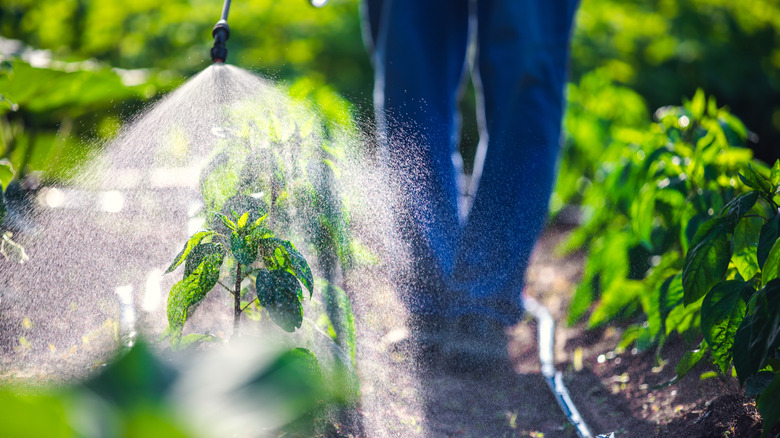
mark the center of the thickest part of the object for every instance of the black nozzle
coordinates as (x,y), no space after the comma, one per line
(221,33)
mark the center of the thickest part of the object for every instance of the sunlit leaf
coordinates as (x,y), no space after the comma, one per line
(775,175)
(739,206)
(745,244)
(244,247)
(689,360)
(6,175)
(771,268)
(191,243)
(198,253)
(193,288)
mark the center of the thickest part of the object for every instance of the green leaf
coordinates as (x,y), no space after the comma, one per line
(339,311)
(241,222)
(614,300)
(754,180)
(196,256)
(193,288)
(667,295)
(238,205)
(300,266)
(229,224)
(281,253)
(770,231)
(721,314)
(768,405)
(745,246)
(280,294)
(689,360)
(758,336)
(739,206)
(762,182)
(642,214)
(6,175)
(771,268)
(244,248)
(698,104)
(707,261)
(775,174)
(193,241)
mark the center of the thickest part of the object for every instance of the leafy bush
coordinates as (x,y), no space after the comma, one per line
(681,224)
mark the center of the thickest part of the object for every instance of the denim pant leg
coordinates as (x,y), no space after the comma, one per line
(522,61)
(419,57)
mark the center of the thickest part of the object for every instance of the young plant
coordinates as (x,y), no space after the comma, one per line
(242,243)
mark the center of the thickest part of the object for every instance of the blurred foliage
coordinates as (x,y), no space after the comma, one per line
(139,394)
(666,49)
(663,49)
(283,39)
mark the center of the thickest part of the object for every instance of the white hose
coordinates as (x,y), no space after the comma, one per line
(554,378)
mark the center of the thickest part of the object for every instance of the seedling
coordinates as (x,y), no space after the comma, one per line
(241,243)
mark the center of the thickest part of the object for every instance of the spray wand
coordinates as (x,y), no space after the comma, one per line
(221,33)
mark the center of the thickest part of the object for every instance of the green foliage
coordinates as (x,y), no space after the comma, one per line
(280,294)
(141,395)
(681,224)
(664,49)
(198,281)
(49,106)
(6,175)
(278,290)
(341,318)
(707,260)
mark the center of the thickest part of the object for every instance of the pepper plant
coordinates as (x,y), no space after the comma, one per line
(249,249)
(681,228)
(733,272)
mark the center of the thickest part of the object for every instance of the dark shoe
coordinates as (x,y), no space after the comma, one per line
(474,343)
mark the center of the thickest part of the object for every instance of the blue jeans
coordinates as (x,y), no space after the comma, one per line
(419,50)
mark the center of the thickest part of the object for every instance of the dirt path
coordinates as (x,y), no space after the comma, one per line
(614,392)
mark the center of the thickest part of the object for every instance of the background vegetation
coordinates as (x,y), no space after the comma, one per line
(667,196)
(663,49)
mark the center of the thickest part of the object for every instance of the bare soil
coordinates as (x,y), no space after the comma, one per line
(619,392)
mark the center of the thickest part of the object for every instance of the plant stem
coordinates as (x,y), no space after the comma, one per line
(237,301)
(248,304)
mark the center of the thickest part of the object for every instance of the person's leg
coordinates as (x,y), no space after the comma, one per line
(522,59)
(419,56)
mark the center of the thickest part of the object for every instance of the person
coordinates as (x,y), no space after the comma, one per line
(469,269)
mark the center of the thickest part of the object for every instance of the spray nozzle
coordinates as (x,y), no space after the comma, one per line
(221,33)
